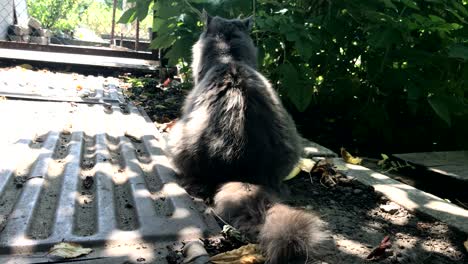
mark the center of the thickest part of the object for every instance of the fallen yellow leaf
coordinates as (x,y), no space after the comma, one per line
(79,87)
(26,66)
(383,160)
(248,254)
(304,165)
(293,173)
(348,158)
(68,250)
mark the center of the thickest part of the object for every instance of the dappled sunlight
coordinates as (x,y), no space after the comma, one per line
(118,189)
(80,59)
(180,213)
(410,197)
(173,189)
(134,246)
(379,176)
(142,193)
(311,149)
(35,182)
(444,172)
(119,235)
(352,247)
(119,178)
(356,167)
(81,199)
(445,207)
(190,232)
(396,194)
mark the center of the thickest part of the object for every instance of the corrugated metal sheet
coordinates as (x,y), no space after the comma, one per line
(21,83)
(87,173)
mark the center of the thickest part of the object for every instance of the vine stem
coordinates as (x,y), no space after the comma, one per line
(193,8)
(254,13)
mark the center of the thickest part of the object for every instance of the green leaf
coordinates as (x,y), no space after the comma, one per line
(436,19)
(304,48)
(458,51)
(292,36)
(414,92)
(260,55)
(128,16)
(162,42)
(410,4)
(180,49)
(460,8)
(167,9)
(389,4)
(142,7)
(157,24)
(454,13)
(299,93)
(440,107)
(384,38)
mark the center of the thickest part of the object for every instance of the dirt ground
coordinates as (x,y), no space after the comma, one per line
(357,217)
(359,220)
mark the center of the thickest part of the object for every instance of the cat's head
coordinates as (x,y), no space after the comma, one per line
(226,29)
(223,40)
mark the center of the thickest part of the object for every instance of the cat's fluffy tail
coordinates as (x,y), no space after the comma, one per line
(285,234)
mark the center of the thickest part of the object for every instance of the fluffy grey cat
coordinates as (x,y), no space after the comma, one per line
(235,134)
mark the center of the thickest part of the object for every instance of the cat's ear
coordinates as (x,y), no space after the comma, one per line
(206,18)
(248,23)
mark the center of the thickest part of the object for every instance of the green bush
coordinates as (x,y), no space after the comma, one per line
(367,48)
(96,15)
(375,60)
(61,15)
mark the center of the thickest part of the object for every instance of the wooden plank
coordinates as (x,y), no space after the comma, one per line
(312,149)
(79,59)
(87,50)
(407,196)
(449,163)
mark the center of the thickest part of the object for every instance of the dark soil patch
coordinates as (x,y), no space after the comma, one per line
(174,256)
(88,182)
(161,100)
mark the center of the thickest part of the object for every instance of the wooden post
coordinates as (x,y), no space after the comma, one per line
(137,37)
(114,7)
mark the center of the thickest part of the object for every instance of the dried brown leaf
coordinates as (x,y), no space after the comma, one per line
(379,251)
(168,126)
